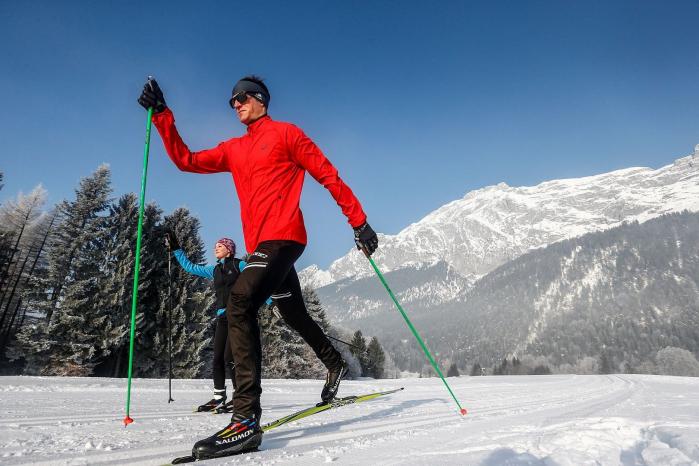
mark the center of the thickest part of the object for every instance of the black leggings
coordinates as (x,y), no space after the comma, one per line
(269,272)
(223,357)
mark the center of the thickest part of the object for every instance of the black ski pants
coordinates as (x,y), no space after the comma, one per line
(223,357)
(269,272)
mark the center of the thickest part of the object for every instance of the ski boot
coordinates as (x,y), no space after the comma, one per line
(226,408)
(332,381)
(218,400)
(243,434)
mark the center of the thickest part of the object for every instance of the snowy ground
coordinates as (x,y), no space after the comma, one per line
(519,420)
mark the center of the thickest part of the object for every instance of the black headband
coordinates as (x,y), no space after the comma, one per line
(253,89)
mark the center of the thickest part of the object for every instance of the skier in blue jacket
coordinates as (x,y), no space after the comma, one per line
(224,274)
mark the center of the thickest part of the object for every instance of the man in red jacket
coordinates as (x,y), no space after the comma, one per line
(268,165)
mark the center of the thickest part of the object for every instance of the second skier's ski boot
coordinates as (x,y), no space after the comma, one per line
(241,435)
(226,408)
(217,401)
(332,381)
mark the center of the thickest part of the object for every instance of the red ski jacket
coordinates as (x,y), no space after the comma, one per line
(268,166)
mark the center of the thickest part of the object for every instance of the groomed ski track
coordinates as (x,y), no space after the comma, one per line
(517,420)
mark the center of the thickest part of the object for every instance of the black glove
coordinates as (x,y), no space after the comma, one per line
(152,96)
(365,238)
(171,241)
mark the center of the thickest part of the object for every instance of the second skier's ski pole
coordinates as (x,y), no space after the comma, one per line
(134,297)
(415,332)
(276,312)
(169,322)
(342,341)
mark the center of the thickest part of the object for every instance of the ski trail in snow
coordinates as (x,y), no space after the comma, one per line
(538,420)
(37,421)
(605,392)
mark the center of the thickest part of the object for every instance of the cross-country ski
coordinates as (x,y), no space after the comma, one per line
(318,408)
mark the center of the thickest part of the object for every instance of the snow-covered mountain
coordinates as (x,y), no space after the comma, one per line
(423,286)
(628,291)
(493,225)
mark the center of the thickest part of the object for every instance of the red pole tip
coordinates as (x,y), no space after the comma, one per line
(463,411)
(127,421)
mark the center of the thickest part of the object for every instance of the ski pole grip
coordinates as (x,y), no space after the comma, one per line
(366,253)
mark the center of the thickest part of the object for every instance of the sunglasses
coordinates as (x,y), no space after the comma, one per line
(240,97)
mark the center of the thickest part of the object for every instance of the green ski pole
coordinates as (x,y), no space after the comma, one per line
(137,266)
(462,411)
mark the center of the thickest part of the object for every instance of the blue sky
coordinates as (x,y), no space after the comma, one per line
(416,103)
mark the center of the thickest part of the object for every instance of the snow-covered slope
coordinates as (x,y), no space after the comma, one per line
(628,292)
(493,225)
(516,420)
(423,286)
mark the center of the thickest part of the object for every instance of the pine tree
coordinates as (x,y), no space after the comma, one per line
(30,285)
(270,336)
(359,350)
(117,285)
(70,341)
(476,370)
(355,368)
(677,361)
(5,252)
(315,308)
(502,369)
(192,301)
(21,221)
(376,358)
(4,241)
(285,354)
(541,370)
(314,367)
(83,286)
(605,363)
(453,370)
(152,312)
(80,222)
(518,368)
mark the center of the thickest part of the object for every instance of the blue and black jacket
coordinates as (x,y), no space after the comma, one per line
(224,274)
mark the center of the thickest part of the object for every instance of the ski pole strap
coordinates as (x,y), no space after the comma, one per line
(342,341)
(415,333)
